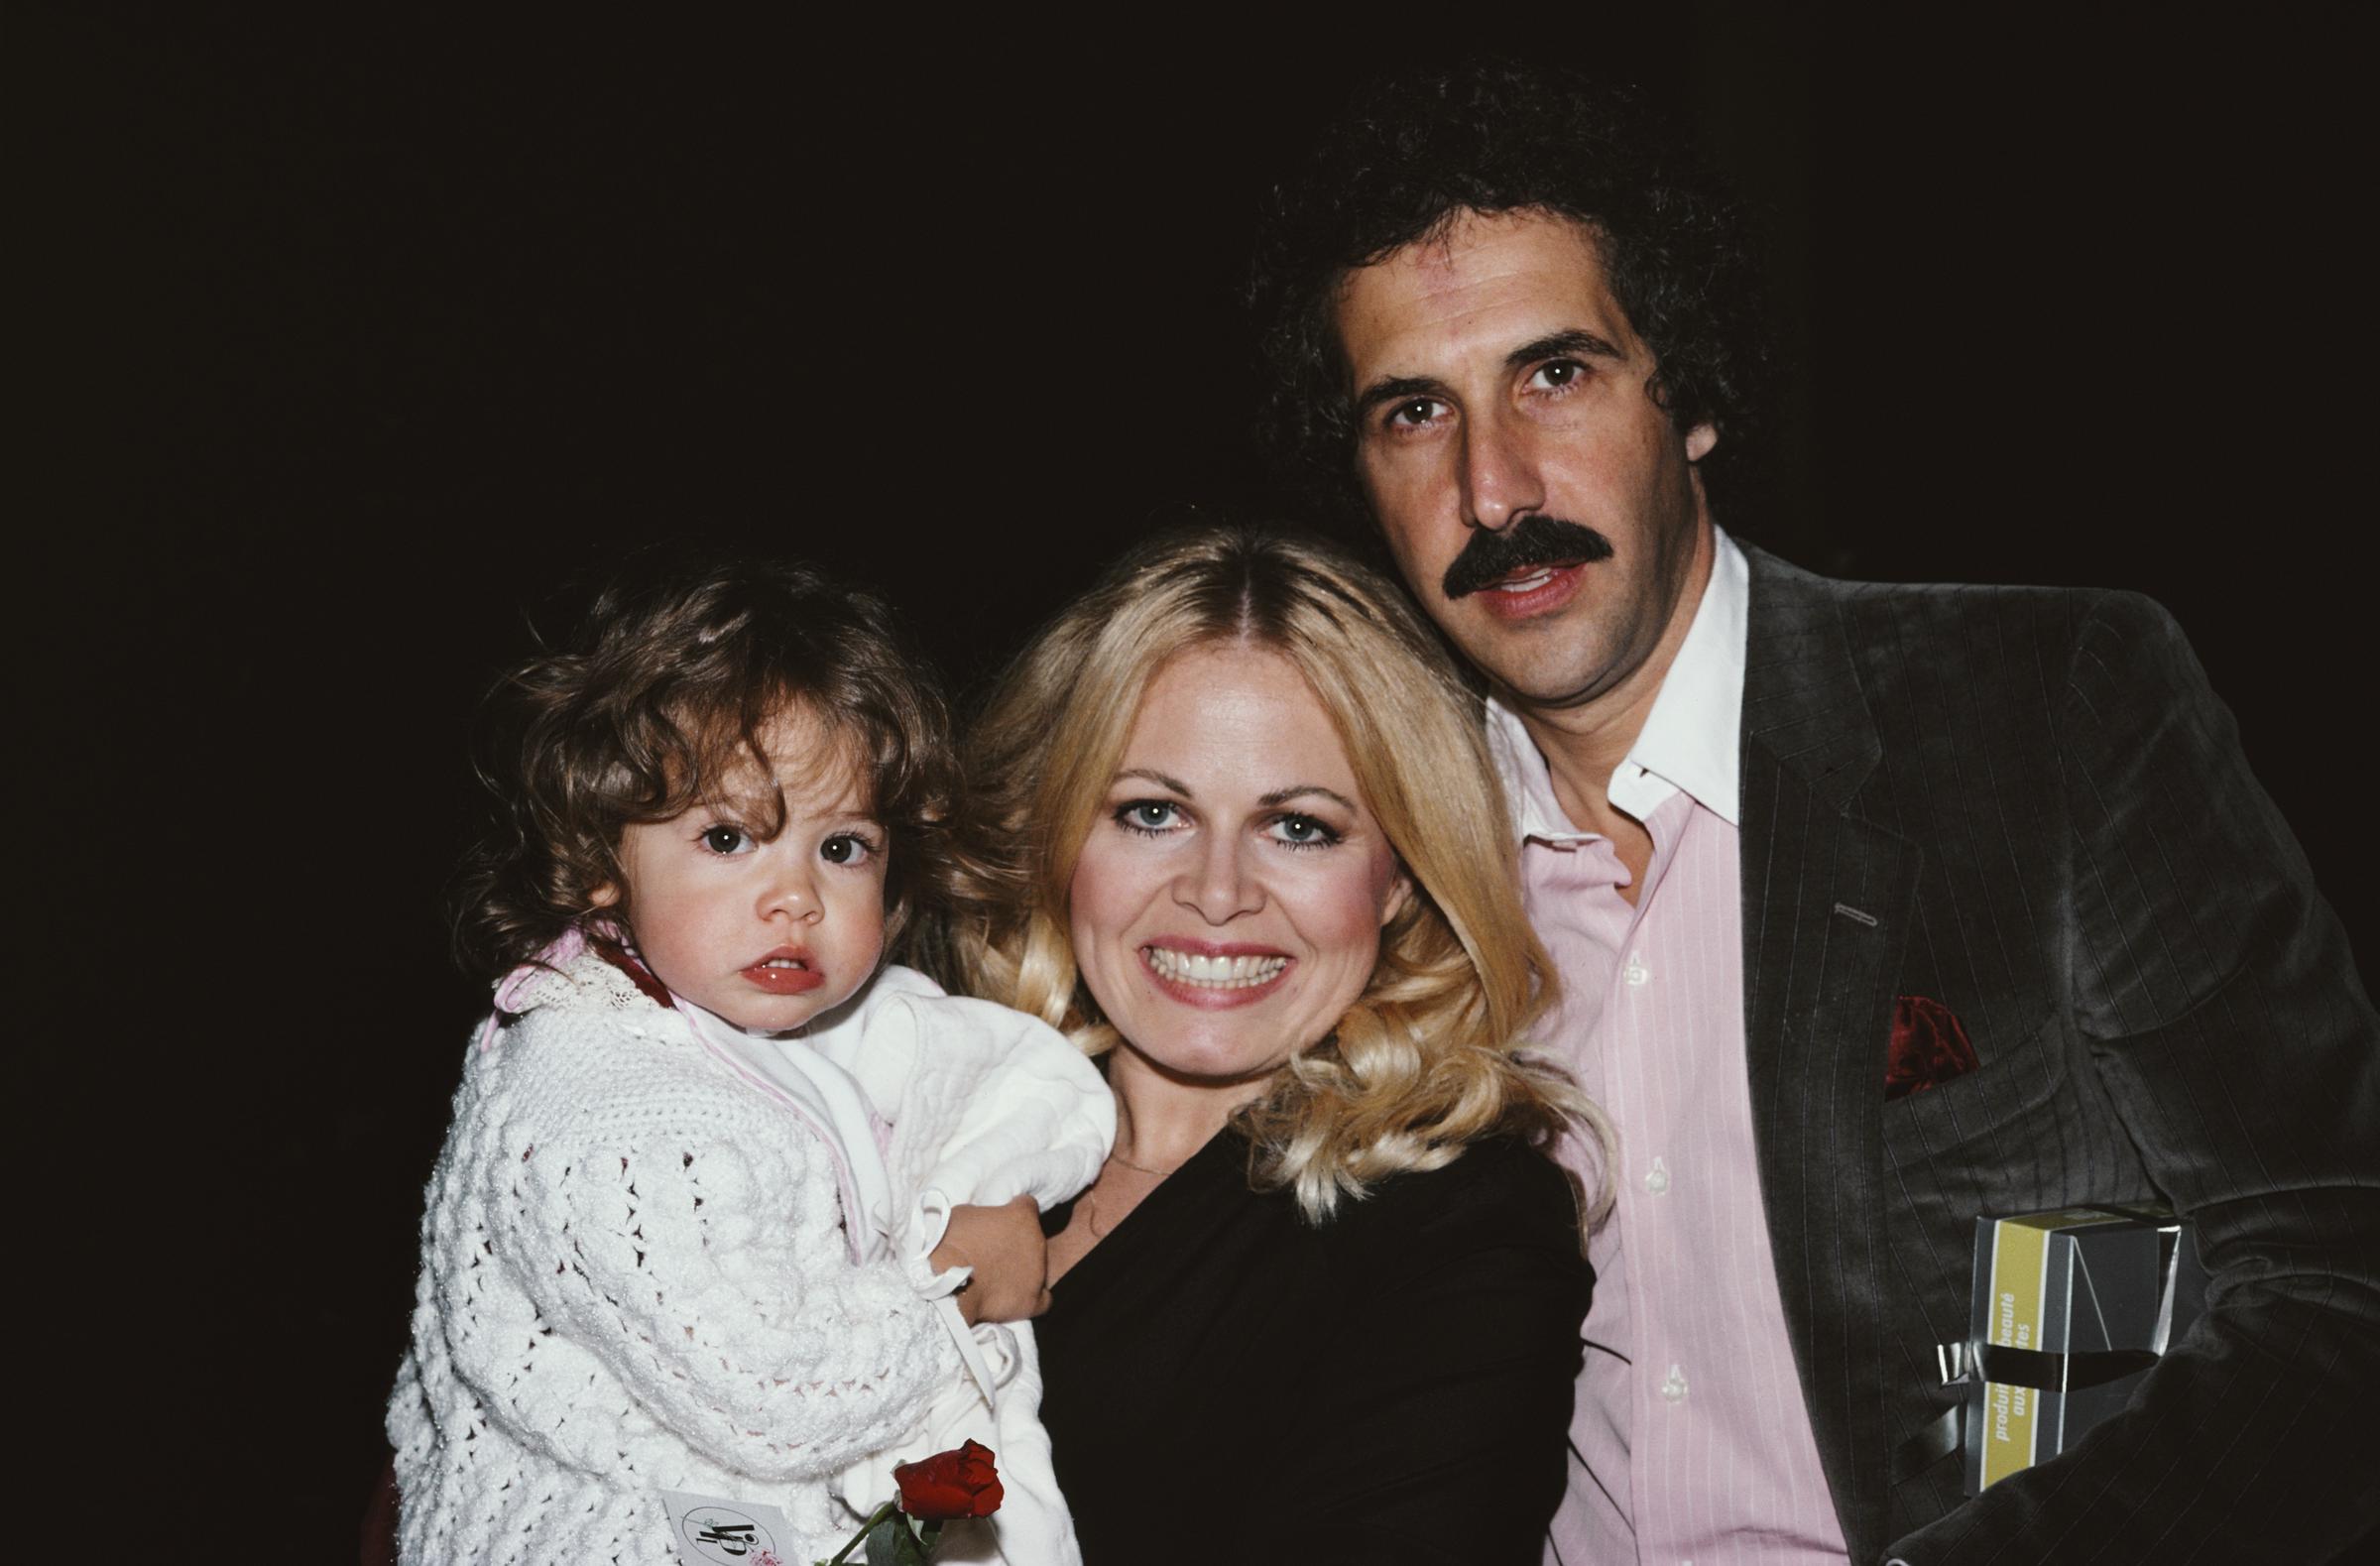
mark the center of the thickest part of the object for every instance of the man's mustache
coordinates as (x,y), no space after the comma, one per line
(1535,539)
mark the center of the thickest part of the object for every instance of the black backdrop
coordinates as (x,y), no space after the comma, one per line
(347,343)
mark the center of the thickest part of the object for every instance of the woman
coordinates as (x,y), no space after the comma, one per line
(1244,842)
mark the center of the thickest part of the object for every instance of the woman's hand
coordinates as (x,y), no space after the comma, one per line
(1011,1259)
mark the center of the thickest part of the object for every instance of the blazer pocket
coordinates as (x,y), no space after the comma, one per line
(2012,1081)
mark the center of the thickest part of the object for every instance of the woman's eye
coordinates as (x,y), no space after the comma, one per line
(1303,831)
(1148,815)
(846,848)
(726,840)
(1413,413)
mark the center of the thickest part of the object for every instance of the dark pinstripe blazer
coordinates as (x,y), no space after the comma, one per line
(2027,803)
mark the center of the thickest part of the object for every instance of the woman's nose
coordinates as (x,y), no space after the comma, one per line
(1219,887)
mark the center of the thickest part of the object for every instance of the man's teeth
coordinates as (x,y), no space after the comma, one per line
(1524,584)
(1222,973)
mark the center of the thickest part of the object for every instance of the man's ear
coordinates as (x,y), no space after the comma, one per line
(1699,442)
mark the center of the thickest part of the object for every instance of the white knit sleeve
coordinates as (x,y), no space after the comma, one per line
(687,1235)
(986,1103)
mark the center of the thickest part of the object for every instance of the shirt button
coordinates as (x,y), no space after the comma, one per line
(1636,972)
(1673,1386)
(1656,1180)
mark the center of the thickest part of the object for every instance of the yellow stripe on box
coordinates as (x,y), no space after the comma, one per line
(2020,1251)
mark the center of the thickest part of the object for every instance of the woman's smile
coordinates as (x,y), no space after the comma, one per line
(1226,907)
(1202,973)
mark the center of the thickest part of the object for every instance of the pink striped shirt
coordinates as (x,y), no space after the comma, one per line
(1689,1442)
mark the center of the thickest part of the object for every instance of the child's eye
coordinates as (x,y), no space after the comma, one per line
(846,848)
(727,839)
(1149,817)
(1302,831)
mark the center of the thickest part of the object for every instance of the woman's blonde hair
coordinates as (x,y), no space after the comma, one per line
(1431,1057)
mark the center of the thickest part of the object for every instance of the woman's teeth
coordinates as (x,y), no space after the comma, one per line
(785,962)
(1222,973)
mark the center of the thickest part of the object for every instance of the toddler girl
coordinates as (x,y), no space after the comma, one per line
(714,1172)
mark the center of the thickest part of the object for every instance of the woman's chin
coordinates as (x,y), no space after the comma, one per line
(1208,1064)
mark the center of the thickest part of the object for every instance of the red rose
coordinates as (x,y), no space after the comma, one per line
(960,1484)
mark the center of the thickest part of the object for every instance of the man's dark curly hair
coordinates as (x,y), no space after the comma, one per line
(1415,152)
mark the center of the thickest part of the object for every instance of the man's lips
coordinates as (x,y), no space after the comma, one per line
(785,971)
(1534,589)
(1492,556)
(1520,578)
(1215,973)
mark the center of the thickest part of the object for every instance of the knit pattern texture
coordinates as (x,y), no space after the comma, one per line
(633,1278)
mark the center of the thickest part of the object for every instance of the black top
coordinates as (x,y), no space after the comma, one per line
(1226,1383)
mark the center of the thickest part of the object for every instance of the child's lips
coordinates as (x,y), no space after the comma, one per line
(785,971)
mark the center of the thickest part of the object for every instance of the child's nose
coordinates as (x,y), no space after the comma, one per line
(794,895)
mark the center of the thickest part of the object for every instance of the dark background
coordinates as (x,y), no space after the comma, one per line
(350,344)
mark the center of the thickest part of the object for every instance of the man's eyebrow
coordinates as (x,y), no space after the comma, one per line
(1294,790)
(1577,343)
(1571,344)
(1158,777)
(1396,389)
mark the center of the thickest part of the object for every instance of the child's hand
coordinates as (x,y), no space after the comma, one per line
(1009,1256)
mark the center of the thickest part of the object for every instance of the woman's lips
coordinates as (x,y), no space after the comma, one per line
(1536,590)
(1216,976)
(784,973)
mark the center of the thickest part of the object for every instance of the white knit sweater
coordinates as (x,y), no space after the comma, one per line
(635,1279)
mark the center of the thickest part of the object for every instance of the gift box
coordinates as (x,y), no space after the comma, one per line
(2070,1310)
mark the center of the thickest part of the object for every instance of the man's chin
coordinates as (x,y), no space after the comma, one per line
(1528,670)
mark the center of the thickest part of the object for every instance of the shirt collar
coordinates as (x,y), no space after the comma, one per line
(1692,740)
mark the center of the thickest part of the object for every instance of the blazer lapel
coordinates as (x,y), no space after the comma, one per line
(1827,900)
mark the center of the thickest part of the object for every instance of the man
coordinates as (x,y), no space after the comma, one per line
(1775,831)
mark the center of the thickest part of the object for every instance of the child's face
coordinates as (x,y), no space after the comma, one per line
(767,934)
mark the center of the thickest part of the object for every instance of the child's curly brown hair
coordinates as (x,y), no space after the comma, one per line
(668,688)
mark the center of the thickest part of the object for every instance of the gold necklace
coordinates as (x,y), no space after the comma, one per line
(1090,1196)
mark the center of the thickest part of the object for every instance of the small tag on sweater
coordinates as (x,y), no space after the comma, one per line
(714,1532)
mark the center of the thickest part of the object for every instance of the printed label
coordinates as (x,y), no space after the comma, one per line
(2020,1252)
(713,1532)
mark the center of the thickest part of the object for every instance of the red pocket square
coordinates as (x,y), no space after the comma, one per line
(1929,1047)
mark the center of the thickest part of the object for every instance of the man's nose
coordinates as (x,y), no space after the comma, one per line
(1217,886)
(1498,478)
